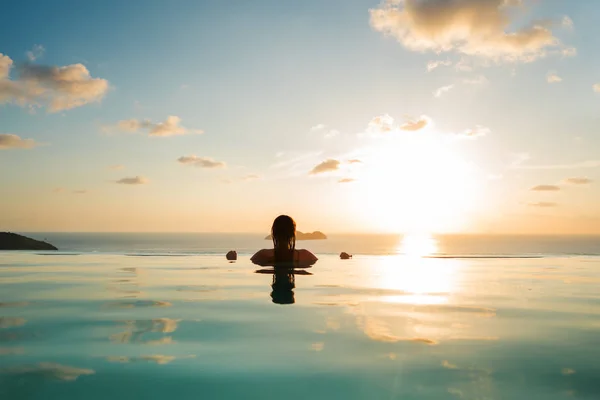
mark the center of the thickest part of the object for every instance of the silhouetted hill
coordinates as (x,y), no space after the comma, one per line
(12,241)
(316,235)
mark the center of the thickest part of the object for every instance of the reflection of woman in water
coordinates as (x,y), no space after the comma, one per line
(284,253)
(284,258)
(283,286)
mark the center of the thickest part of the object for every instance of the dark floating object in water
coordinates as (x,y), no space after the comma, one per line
(231,255)
(345,256)
(316,235)
(12,241)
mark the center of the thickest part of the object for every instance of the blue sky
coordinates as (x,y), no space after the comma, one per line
(255,77)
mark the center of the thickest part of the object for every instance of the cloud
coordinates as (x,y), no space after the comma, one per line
(36,52)
(251,177)
(201,162)
(471,27)
(116,167)
(596,87)
(476,132)
(545,188)
(567,22)
(479,80)
(331,133)
(56,88)
(439,92)
(431,65)
(326,166)
(354,161)
(543,204)
(346,180)
(136,180)
(578,181)
(10,141)
(579,165)
(553,77)
(416,125)
(381,124)
(170,127)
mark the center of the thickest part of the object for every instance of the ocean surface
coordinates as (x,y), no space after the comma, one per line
(152,316)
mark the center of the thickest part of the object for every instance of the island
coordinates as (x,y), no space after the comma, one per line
(316,235)
(12,241)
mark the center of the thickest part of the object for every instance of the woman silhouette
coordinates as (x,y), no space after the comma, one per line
(284,253)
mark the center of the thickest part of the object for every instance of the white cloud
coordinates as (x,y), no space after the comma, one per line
(553,77)
(567,22)
(416,125)
(10,141)
(478,80)
(170,127)
(346,180)
(326,166)
(201,162)
(431,65)
(579,165)
(472,27)
(116,167)
(56,88)
(569,52)
(36,52)
(328,133)
(136,180)
(439,92)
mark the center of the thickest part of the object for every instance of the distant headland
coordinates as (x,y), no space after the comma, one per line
(316,235)
(12,241)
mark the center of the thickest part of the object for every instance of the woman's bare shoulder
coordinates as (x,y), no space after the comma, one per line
(306,255)
(263,253)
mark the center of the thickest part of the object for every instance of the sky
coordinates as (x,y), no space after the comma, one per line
(436,116)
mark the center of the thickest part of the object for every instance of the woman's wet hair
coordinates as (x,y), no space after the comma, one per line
(283,233)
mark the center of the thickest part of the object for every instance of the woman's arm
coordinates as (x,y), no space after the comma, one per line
(263,258)
(306,259)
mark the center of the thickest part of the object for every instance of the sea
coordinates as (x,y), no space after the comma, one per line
(153,316)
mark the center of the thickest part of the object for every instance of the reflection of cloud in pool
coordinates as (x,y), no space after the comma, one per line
(7,351)
(161,341)
(14,304)
(49,371)
(378,330)
(135,329)
(567,371)
(317,346)
(9,322)
(141,303)
(447,364)
(155,358)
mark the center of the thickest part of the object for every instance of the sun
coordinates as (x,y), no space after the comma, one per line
(419,184)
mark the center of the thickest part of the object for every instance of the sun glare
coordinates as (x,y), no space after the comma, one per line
(419,184)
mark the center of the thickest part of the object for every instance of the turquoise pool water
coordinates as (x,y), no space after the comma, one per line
(102,326)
